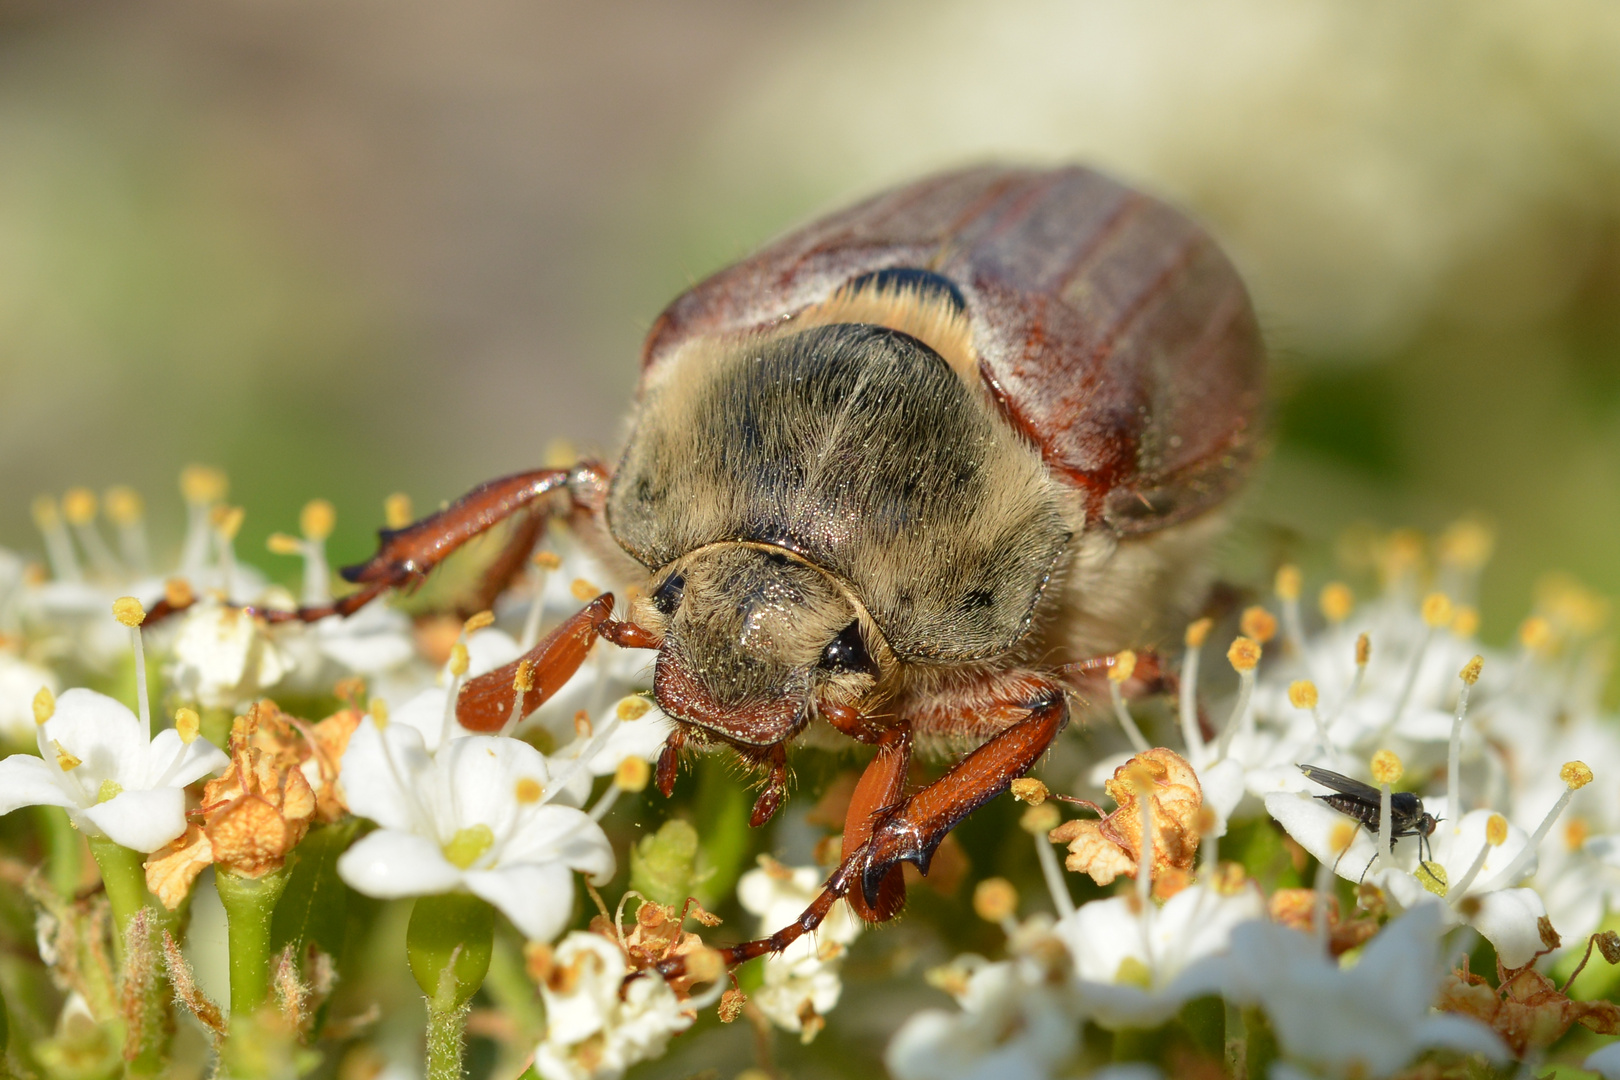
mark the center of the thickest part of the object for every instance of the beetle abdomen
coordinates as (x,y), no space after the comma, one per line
(860,449)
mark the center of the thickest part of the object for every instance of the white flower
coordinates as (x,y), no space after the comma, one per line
(224,657)
(1506,916)
(597,1026)
(1605,1062)
(97,763)
(474,816)
(1367,1020)
(1015,1021)
(802,980)
(1137,969)
(19,682)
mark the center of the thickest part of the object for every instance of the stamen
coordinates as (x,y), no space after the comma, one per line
(1496,834)
(1575,775)
(632,774)
(1436,613)
(1123,666)
(202,487)
(544,563)
(44,706)
(477,622)
(1464,549)
(1197,633)
(1386,770)
(187,724)
(79,507)
(1469,676)
(316,522)
(1141,780)
(227,522)
(65,760)
(1339,841)
(1302,694)
(128,611)
(397,510)
(583,590)
(1244,656)
(58,545)
(127,513)
(1039,820)
(996,901)
(1465,623)
(1336,602)
(522,683)
(459,662)
(1258,623)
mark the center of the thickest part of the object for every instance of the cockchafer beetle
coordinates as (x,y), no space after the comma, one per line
(891,475)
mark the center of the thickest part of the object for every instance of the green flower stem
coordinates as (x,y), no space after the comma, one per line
(124,876)
(64,851)
(449,943)
(249,904)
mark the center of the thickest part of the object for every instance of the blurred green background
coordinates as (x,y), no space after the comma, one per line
(347,248)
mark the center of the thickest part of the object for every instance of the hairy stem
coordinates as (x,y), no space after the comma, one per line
(445,1029)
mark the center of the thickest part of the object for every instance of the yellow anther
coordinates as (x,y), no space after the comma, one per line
(1437,610)
(203,484)
(547,560)
(1470,672)
(1030,790)
(397,510)
(478,622)
(177,593)
(187,724)
(1496,830)
(378,708)
(632,774)
(1341,837)
(1289,582)
(1198,632)
(1258,623)
(584,590)
(1336,601)
(1123,667)
(528,791)
(1206,821)
(1404,551)
(128,610)
(227,520)
(283,544)
(1387,767)
(1575,774)
(1465,623)
(1570,603)
(995,899)
(1040,820)
(124,505)
(459,660)
(317,519)
(45,513)
(1244,654)
(633,708)
(1302,694)
(79,506)
(64,760)
(110,789)
(44,705)
(582,724)
(1363,650)
(731,1007)
(1466,544)
(523,678)
(1535,633)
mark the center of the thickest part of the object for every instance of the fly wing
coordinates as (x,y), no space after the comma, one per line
(1344,785)
(1110,329)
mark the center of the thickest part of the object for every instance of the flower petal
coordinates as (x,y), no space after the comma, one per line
(103,734)
(375,775)
(560,834)
(482,773)
(142,820)
(1464,1034)
(26,780)
(389,864)
(173,763)
(537,897)
(1507,919)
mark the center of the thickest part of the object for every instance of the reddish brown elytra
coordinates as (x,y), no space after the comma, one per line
(890,475)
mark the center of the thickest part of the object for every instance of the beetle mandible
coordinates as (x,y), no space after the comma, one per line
(889,476)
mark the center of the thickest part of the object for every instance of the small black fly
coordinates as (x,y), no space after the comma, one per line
(1365,803)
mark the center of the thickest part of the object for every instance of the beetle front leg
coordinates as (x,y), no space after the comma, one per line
(913,830)
(487,702)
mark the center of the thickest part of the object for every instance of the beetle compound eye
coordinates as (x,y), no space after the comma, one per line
(847,653)
(667,597)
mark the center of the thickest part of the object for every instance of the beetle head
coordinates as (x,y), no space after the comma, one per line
(753,637)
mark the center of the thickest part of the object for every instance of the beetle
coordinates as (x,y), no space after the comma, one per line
(893,477)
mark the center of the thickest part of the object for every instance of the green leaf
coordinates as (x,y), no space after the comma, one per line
(314,907)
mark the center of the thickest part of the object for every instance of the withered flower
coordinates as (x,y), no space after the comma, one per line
(1529,1011)
(1109,847)
(1297,908)
(252,816)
